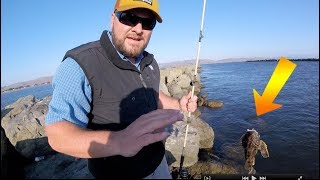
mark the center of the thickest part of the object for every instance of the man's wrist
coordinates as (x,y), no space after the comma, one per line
(114,143)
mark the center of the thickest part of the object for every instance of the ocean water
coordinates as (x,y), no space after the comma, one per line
(291,132)
(39,92)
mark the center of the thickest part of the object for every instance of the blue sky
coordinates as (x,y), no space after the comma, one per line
(35,34)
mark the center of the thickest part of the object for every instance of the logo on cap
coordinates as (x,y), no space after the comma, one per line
(146,1)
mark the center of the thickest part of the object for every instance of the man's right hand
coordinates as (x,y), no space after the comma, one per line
(147,129)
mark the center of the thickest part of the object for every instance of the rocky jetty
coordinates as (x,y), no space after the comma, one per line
(23,135)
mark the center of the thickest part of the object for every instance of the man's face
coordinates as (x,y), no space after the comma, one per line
(131,40)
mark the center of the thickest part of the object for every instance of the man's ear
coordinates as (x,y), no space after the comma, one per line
(112,20)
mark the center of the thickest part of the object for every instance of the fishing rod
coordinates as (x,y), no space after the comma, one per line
(182,172)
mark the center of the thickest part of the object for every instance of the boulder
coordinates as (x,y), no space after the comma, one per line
(175,90)
(213,104)
(200,135)
(174,73)
(164,88)
(184,81)
(201,101)
(205,132)
(58,166)
(24,128)
(174,145)
(210,167)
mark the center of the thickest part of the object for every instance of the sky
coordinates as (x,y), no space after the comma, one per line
(35,34)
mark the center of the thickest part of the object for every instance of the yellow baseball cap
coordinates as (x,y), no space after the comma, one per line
(153,5)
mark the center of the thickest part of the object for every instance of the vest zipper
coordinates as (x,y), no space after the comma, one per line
(145,91)
(142,81)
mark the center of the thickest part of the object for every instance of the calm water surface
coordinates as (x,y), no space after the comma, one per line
(291,133)
(39,92)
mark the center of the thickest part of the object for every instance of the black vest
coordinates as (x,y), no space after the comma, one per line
(120,94)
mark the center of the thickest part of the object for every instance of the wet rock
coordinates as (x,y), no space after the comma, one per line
(213,104)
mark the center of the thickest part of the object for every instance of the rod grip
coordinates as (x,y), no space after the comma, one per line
(181,162)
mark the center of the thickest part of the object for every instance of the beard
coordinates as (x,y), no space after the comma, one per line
(128,51)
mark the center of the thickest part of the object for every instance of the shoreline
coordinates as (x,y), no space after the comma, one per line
(8,91)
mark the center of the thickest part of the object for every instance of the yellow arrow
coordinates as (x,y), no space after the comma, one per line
(282,72)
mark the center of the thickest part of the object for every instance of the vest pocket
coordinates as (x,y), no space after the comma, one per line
(133,106)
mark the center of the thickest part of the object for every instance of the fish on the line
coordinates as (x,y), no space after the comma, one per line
(252,143)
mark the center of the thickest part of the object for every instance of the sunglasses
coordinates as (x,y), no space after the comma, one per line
(130,19)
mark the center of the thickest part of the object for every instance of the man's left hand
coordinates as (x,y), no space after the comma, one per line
(188,104)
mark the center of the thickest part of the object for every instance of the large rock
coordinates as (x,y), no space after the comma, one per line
(205,132)
(27,143)
(24,128)
(175,90)
(164,75)
(211,164)
(213,104)
(174,73)
(58,166)
(200,136)
(164,88)
(211,167)
(174,144)
(184,81)
(209,103)
(178,80)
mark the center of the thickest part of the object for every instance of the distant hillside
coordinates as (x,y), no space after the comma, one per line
(306,59)
(35,82)
(203,61)
(175,64)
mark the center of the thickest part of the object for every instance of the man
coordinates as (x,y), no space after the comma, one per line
(106,104)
